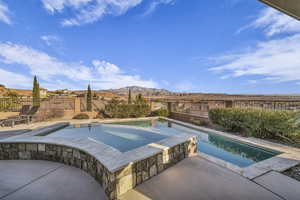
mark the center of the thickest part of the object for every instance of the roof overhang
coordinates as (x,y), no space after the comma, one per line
(289,7)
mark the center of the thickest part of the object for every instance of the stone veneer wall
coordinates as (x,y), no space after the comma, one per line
(113,183)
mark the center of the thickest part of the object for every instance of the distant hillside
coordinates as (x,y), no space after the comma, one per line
(3,90)
(140,90)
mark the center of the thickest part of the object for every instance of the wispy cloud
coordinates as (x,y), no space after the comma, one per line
(155,4)
(52,71)
(276,59)
(4,13)
(89,11)
(12,79)
(274,22)
(184,86)
(50,39)
(111,76)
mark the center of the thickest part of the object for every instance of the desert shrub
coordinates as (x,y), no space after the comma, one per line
(127,111)
(81,116)
(119,109)
(257,122)
(199,122)
(162,112)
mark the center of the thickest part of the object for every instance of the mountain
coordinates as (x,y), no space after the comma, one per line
(140,90)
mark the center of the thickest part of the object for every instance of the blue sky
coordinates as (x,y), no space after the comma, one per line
(228,46)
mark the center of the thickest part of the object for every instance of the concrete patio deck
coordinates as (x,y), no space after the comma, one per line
(43,180)
(192,179)
(196,178)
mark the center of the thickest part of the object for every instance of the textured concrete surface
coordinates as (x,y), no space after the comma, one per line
(280,184)
(43,180)
(196,178)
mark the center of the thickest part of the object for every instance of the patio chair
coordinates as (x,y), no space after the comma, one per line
(25,116)
(25,109)
(2,122)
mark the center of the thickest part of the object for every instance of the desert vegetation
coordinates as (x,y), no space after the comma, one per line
(36,92)
(81,116)
(121,109)
(268,124)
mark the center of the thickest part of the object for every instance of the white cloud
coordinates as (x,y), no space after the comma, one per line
(4,13)
(154,5)
(40,63)
(274,22)
(59,5)
(111,76)
(50,39)
(276,60)
(11,79)
(52,71)
(89,11)
(184,86)
(253,81)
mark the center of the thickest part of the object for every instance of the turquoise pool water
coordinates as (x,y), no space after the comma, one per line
(130,135)
(226,149)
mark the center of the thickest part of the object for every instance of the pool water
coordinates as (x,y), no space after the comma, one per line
(122,138)
(235,152)
(125,136)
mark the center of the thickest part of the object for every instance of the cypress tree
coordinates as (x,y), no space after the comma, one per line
(129,97)
(89,99)
(139,99)
(36,92)
(38,95)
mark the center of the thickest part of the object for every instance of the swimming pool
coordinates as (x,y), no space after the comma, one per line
(126,136)
(235,152)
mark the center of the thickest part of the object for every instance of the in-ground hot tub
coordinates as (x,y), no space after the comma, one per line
(119,157)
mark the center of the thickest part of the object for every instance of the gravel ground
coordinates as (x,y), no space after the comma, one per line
(293,172)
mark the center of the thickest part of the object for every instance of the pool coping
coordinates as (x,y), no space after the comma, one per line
(110,157)
(288,158)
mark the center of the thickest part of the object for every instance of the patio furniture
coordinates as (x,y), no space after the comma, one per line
(25,116)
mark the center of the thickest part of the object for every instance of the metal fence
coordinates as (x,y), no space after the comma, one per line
(201,108)
(62,103)
(13,104)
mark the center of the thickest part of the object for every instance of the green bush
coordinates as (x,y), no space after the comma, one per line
(198,122)
(119,109)
(127,111)
(256,122)
(81,116)
(162,112)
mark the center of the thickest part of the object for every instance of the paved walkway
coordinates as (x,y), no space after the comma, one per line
(43,180)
